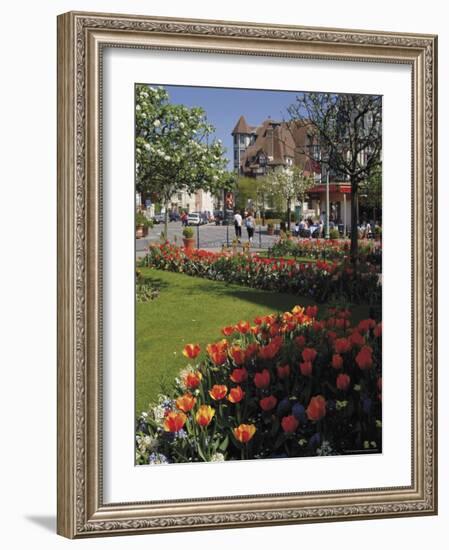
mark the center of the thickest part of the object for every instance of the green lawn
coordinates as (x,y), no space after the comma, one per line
(193,310)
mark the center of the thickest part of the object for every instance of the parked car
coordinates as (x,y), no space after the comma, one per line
(159,218)
(194,218)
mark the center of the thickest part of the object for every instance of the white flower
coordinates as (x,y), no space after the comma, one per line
(167,157)
(217,457)
(138,107)
(147,146)
(181,124)
(157,123)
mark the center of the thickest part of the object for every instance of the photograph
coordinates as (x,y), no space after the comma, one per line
(258,274)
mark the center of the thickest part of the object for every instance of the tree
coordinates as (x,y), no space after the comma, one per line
(371,192)
(245,192)
(174,149)
(289,185)
(345,133)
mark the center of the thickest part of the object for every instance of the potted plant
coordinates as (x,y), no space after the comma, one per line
(270,228)
(378,233)
(142,225)
(188,240)
(334,234)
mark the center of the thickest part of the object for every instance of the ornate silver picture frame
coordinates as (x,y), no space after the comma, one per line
(82,40)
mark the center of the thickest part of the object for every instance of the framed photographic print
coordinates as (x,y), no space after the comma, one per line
(247,274)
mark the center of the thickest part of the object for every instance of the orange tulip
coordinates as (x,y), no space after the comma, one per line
(244,432)
(192,379)
(217,352)
(204,415)
(236,394)
(174,421)
(243,327)
(191,351)
(186,402)
(227,331)
(218,392)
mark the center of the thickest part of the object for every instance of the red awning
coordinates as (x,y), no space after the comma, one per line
(333,188)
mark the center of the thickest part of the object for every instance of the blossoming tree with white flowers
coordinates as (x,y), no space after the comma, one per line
(288,185)
(175,150)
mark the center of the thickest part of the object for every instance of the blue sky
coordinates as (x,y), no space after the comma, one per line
(224,106)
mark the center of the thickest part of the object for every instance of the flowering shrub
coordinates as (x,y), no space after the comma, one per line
(321,280)
(287,385)
(323,249)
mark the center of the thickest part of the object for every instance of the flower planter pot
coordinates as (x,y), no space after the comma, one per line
(140,231)
(189,244)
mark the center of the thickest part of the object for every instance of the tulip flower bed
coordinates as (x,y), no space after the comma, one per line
(323,249)
(288,385)
(321,280)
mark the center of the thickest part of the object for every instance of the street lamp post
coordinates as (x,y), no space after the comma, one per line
(327,204)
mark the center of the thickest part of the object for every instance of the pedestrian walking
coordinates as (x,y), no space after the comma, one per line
(250,223)
(238,225)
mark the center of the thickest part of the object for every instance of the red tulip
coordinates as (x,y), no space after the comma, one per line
(289,424)
(309,354)
(262,379)
(305,368)
(364,358)
(342,345)
(317,408)
(283,371)
(237,354)
(337,361)
(268,403)
(343,381)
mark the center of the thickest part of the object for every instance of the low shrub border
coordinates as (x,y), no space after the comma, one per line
(324,281)
(323,249)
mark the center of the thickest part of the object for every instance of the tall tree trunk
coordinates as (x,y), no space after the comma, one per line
(354,222)
(289,205)
(263,209)
(166,221)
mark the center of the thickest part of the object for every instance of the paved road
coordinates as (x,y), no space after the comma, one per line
(209,236)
